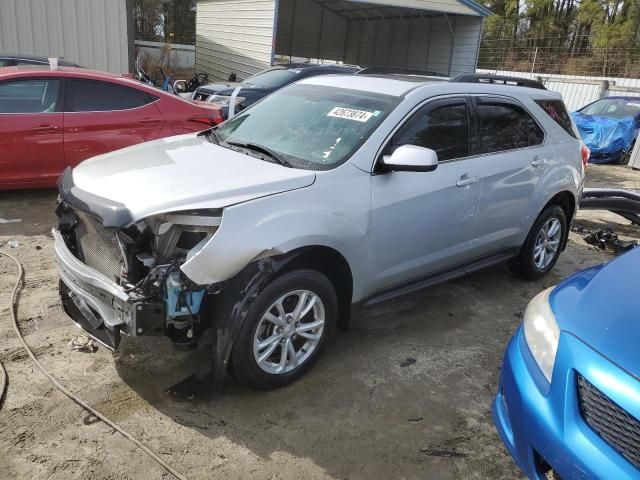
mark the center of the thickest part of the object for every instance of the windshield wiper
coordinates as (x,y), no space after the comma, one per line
(262,149)
(213,136)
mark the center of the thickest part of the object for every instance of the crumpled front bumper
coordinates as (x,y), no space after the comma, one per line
(96,304)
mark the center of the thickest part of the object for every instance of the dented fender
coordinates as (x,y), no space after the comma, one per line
(286,222)
(229,307)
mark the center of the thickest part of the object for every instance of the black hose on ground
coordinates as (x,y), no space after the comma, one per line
(58,385)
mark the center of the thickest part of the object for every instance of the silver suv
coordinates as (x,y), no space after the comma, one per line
(333,193)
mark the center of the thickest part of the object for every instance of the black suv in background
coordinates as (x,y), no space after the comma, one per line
(263,83)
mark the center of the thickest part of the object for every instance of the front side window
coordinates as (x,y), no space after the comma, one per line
(444,129)
(310,126)
(91,96)
(29,96)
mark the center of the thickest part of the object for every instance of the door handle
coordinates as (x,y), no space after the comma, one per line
(537,161)
(44,128)
(464,181)
(149,120)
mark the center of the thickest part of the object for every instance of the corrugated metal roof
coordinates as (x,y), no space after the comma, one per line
(355,9)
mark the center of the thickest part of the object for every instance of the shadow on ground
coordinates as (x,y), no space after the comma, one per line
(358,412)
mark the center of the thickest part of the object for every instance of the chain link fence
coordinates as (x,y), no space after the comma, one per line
(609,56)
(582,69)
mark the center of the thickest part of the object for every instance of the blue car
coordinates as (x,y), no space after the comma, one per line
(568,405)
(609,127)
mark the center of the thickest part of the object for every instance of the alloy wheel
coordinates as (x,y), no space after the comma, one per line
(289,332)
(547,243)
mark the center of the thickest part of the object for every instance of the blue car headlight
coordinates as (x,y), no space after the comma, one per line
(541,332)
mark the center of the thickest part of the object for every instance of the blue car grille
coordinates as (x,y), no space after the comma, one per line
(611,422)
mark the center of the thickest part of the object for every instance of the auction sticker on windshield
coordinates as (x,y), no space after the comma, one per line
(350,114)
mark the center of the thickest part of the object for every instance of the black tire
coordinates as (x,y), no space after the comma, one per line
(524,264)
(245,366)
(625,156)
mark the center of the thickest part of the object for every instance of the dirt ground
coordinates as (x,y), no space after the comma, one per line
(358,414)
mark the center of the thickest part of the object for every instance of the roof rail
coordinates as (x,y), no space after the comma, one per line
(499,79)
(398,71)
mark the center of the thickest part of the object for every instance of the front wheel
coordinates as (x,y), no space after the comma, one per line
(285,330)
(542,248)
(625,156)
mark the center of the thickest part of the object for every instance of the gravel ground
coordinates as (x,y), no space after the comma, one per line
(358,414)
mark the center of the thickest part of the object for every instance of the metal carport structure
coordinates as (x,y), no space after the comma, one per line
(244,36)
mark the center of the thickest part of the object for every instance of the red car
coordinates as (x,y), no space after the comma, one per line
(54,118)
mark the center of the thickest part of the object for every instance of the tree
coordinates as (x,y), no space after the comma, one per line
(172,21)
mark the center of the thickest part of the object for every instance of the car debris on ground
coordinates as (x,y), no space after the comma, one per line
(607,238)
(83,344)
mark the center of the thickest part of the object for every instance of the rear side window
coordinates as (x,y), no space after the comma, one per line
(506,127)
(556,110)
(444,129)
(91,96)
(536,135)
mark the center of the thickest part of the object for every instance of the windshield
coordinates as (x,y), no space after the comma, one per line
(309,126)
(275,78)
(615,108)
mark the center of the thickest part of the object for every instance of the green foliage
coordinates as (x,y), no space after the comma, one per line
(172,21)
(602,36)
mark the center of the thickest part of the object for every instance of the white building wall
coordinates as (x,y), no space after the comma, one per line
(234,36)
(92,33)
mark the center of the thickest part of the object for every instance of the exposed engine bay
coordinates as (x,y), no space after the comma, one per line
(143,259)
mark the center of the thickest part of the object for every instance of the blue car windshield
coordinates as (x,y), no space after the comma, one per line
(614,108)
(309,126)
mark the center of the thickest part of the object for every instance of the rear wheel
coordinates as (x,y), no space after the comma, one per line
(285,330)
(542,248)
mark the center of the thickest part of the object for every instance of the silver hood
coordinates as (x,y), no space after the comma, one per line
(178,173)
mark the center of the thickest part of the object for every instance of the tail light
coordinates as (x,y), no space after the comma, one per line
(584,152)
(210,119)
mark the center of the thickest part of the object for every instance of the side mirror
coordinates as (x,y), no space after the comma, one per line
(410,158)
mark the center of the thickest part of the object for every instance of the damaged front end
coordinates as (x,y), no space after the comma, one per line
(127,279)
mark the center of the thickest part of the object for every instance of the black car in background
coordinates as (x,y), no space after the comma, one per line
(13,60)
(261,84)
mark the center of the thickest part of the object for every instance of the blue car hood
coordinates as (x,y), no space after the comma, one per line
(601,306)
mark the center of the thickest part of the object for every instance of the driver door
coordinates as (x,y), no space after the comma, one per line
(425,222)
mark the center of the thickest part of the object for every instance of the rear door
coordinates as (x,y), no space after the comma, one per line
(515,154)
(31,124)
(101,117)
